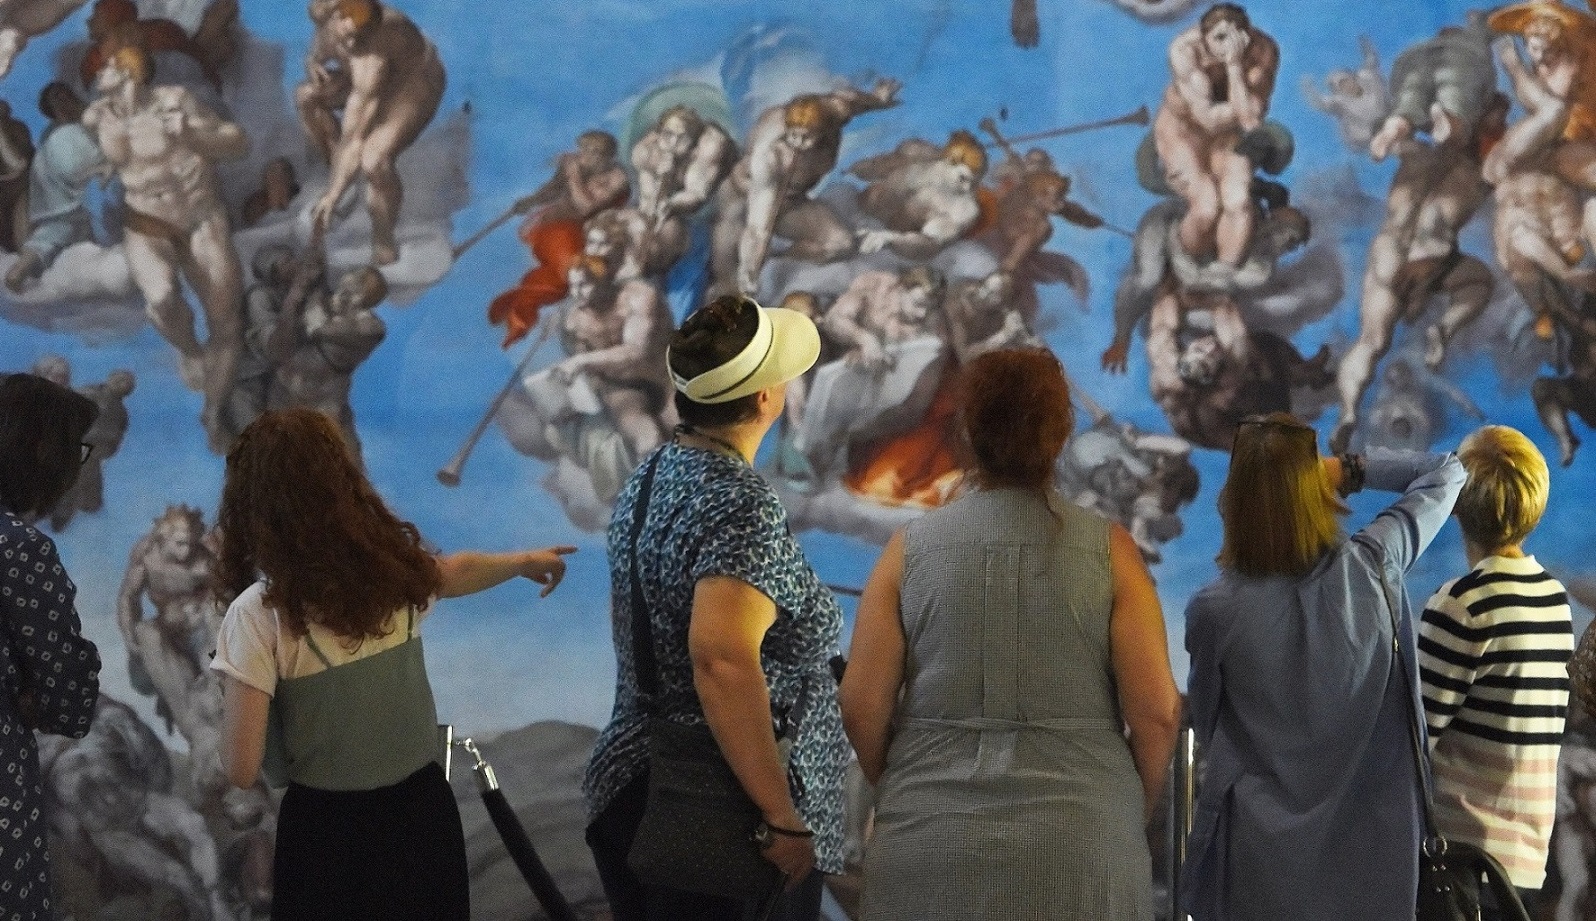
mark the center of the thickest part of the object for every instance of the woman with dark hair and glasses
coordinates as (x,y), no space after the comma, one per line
(742,629)
(1309,806)
(321,662)
(1009,690)
(50,672)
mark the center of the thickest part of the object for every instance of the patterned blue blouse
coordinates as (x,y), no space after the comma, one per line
(713,515)
(43,656)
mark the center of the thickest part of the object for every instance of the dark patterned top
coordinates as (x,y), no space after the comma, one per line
(712,515)
(43,656)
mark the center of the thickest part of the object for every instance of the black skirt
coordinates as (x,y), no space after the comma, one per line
(394,853)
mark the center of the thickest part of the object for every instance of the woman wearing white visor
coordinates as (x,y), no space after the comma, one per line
(740,628)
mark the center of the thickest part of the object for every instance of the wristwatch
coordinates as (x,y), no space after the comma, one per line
(765,834)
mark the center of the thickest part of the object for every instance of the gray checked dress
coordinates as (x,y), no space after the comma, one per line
(1009,791)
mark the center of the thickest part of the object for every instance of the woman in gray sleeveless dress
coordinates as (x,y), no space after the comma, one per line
(1003,646)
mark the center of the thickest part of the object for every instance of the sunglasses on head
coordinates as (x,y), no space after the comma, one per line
(1272,421)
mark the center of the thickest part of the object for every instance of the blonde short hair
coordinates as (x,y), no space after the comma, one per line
(1506,492)
(1278,506)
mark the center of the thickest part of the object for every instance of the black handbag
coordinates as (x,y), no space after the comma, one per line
(698,825)
(1450,872)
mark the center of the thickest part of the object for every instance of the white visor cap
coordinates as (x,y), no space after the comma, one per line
(785,345)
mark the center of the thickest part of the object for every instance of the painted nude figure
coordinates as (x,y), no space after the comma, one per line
(924,194)
(1443,86)
(586,182)
(1358,99)
(615,334)
(396,80)
(163,145)
(680,162)
(1222,75)
(791,148)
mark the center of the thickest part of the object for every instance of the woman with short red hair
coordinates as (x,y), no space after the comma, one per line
(1004,644)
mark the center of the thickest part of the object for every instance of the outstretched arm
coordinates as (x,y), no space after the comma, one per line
(472,571)
(848,102)
(1138,289)
(766,176)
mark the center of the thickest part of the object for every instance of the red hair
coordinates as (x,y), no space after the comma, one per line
(1015,407)
(297,510)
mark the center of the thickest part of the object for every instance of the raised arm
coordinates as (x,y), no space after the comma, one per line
(1429,484)
(1139,657)
(648,163)
(874,677)
(848,102)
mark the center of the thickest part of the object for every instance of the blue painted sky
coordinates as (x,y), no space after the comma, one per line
(536,73)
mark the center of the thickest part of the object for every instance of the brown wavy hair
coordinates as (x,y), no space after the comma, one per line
(297,510)
(1015,407)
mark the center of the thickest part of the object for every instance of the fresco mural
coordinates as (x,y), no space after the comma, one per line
(466,231)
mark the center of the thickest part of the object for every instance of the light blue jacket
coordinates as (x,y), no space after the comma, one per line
(1309,804)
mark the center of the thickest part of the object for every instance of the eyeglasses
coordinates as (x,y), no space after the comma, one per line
(87,449)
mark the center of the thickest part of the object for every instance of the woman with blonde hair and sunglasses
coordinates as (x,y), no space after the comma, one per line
(1309,807)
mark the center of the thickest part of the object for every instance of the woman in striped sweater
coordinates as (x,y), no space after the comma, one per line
(1494,647)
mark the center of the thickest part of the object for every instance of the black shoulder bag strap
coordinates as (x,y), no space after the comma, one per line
(1433,847)
(643,660)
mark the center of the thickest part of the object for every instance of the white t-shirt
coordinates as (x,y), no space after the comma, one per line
(257,647)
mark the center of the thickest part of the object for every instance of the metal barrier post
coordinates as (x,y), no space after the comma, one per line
(515,838)
(1182,802)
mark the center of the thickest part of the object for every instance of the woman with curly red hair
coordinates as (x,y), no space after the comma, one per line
(324,678)
(1004,645)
